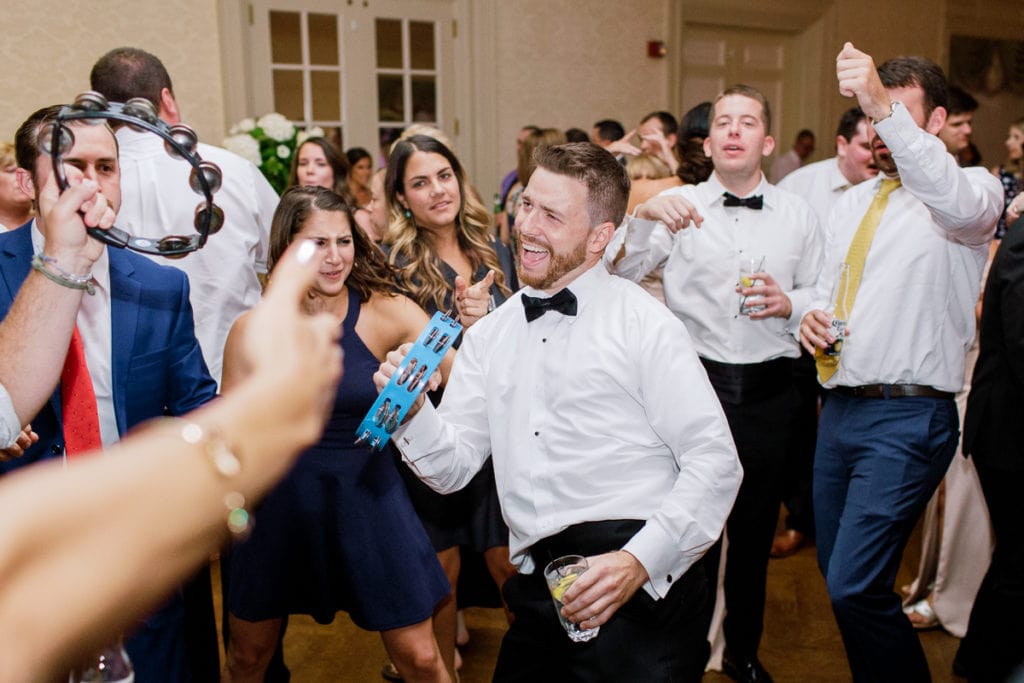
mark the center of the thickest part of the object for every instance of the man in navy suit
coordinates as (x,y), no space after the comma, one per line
(993,647)
(140,346)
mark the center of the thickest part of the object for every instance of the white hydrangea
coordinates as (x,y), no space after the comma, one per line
(283,151)
(311,132)
(243,126)
(244,146)
(276,126)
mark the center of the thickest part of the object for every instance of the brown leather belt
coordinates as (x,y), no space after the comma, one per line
(893,391)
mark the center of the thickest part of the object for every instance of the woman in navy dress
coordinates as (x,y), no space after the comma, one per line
(339,532)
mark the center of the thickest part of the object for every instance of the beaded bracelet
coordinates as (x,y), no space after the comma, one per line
(226,464)
(61,276)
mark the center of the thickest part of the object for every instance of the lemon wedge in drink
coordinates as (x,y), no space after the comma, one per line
(746,281)
(563,585)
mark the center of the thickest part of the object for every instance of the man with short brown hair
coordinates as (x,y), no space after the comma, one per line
(914,242)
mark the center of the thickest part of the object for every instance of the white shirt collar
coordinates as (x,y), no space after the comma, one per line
(583,287)
(712,191)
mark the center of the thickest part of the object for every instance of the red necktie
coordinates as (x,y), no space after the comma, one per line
(78,401)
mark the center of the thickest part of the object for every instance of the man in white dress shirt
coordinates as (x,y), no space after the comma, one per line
(784,164)
(743,334)
(821,184)
(158,201)
(606,436)
(915,240)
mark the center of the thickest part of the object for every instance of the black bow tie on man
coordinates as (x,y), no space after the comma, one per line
(564,302)
(755,202)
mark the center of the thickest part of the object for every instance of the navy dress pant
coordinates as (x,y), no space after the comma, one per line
(877,464)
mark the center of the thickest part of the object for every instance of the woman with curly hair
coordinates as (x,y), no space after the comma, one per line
(339,531)
(440,243)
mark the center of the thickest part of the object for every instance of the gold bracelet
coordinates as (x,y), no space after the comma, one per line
(227,465)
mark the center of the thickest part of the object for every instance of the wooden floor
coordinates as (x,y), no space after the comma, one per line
(801,642)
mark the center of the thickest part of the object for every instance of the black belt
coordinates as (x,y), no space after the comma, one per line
(893,391)
(749,381)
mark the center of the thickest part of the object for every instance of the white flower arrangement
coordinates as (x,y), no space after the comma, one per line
(269,142)
(244,146)
(276,127)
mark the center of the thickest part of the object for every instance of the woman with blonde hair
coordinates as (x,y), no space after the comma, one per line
(439,244)
(646,166)
(544,137)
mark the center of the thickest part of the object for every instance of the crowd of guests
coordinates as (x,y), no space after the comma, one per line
(657,434)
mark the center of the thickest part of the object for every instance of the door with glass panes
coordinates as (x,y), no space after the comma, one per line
(362,71)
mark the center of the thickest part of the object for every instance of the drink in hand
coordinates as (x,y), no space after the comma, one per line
(560,575)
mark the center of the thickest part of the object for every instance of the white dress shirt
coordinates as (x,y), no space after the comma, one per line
(702,267)
(93,321)
(157,201)
(604,415)
(821,184)
(783,165)
(912,319)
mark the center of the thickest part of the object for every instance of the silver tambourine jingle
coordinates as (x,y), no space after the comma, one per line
(180,142)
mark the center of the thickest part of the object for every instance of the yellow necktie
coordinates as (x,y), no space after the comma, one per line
(846,292)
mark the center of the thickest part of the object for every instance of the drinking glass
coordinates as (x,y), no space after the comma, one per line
(748,265)
(560,574)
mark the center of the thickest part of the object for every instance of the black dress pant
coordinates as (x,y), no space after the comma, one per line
(761,427)
(645,640)
(994,644)
(799,471)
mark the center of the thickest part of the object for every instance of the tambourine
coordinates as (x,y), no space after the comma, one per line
(408,382)
(180,142)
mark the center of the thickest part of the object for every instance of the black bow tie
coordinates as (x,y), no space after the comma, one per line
(756,202)
(564,302)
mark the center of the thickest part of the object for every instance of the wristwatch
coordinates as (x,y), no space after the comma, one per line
(893,106)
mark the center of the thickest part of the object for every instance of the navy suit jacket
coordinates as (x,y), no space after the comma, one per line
(158,369)
(156,363)
(993,430)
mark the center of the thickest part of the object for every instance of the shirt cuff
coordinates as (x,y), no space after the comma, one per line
(10,425)
(639,232)
(898,130)
(663,568)
(798,301)
(415,437)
